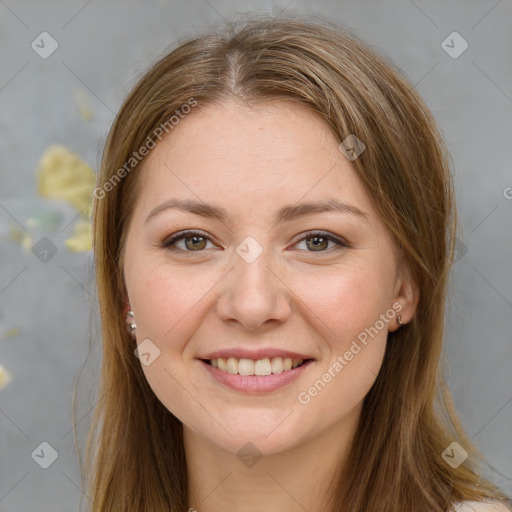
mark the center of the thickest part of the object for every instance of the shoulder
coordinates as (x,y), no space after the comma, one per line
(481,506)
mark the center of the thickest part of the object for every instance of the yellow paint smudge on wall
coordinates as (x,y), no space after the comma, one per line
(63,175)
(5,377)
(81,240)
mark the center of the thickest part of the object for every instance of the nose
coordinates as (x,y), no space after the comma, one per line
(254,294)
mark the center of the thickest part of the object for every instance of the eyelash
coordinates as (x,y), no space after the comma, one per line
(170,241)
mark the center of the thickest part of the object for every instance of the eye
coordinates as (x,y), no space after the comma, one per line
(197,241)
(318,241)
(193,241)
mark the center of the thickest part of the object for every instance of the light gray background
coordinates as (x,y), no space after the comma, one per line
(103,47)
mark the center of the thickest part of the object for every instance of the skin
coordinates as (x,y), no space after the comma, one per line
(251,161)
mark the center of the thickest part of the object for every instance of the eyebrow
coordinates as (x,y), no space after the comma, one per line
(286,213)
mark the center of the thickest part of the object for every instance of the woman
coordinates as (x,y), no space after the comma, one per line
(274,225)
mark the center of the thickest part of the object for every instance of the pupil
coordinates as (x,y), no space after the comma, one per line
(195,241)
(316,244)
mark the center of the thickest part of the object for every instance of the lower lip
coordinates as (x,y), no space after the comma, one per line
(256,384)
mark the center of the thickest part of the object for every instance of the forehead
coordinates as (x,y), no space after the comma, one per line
(262,155)
(230,133)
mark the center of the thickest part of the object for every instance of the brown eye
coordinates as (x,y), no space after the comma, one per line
(195,242)
(317,241)
(189,241)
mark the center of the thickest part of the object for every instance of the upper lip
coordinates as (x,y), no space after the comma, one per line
(261,353)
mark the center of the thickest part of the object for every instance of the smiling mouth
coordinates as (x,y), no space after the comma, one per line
(260,367)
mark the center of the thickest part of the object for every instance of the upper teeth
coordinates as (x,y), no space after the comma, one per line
(264,366)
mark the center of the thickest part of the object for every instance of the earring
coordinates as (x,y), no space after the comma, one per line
(399,320)
(130,324)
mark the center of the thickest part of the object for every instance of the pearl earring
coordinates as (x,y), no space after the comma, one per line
(130,324)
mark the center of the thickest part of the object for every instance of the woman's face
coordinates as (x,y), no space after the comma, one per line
(263,277)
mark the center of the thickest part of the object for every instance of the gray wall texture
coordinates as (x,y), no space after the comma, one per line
(103,46)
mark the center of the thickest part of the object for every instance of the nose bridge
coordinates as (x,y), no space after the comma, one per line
(253,294)
(252,267)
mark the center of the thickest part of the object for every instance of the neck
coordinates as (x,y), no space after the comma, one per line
(297,479)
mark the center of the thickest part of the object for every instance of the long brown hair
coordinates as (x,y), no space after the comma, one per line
(135,455)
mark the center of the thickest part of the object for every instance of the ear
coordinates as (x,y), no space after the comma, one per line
(407,296)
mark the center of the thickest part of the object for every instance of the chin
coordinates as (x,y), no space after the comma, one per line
(270,432)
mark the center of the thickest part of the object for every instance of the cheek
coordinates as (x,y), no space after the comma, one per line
(350,308)
(164,299)
(346,300)
(167,302)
